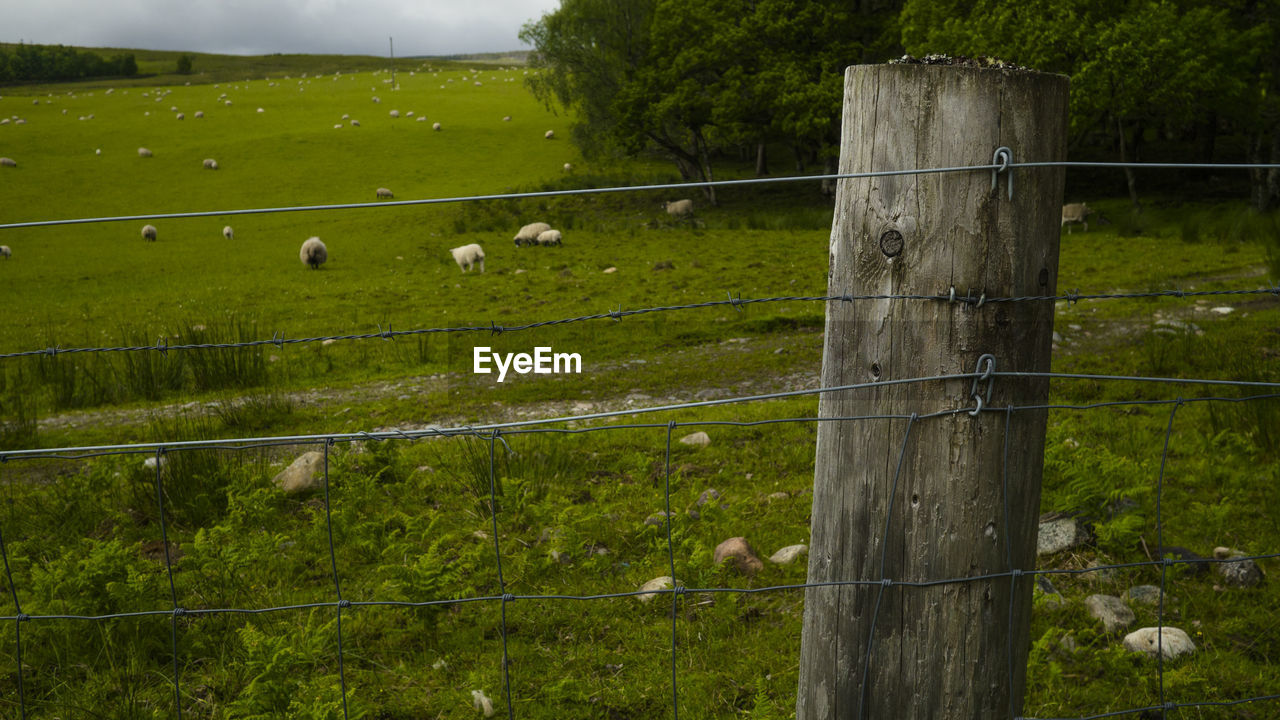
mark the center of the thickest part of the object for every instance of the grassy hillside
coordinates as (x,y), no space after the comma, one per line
(412,522)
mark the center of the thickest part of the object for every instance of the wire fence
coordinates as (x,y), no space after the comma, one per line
(494,435)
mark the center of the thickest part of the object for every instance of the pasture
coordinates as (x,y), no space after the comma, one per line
(413,521)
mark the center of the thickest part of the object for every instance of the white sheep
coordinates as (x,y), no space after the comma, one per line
(5,251)
(143,152)
(228,233)
(180,116)
(149,232)
(210,164)
(679,208)
(384,193)
(568,167)
(395,113)
(549,237)
(506,118)
(1076,213)
(8,162)
(435,126)
(355,123)
(528,234)
(550,134)
(467,255)
(199,114)
(313,253)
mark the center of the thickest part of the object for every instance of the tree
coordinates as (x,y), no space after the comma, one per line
(692,78)
(1134,66)
(184,64)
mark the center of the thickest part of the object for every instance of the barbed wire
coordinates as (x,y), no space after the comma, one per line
(280,340)
(990,167)
(494,434)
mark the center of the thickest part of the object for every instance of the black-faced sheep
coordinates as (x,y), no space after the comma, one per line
(549,237)
(528,234)
(679,208)
(384,193)
(149,232)
(313,253)
(228,233)
(467,255)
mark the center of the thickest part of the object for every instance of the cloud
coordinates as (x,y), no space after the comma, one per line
(430,27)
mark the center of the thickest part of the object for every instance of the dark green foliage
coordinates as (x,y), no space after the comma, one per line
(46,63)
(185,62)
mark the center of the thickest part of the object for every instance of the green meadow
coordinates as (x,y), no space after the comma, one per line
(414,521)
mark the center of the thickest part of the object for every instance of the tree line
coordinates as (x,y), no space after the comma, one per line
(52,63)
(702,81)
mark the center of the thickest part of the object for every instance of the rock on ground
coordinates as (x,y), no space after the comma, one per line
(658,583)
(698,439)
(788,554)
(303,475)
(1240,573)
(1111,610)
(1058,534)
(738,552)
(1172,641)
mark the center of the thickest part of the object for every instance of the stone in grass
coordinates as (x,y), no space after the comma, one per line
(737,551)
(1147,594)
(1111,610)
(1170,641)
(698,439)
(1059,533)
(658,519)
(1239,573)
(788,554)
(651,587)
(305,474)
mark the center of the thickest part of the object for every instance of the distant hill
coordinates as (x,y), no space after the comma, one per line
(161,66)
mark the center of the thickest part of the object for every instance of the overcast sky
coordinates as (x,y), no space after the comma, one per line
(257,27)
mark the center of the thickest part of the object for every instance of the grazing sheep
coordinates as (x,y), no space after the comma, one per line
(143,152)
(549,237)
(384,193)
(679,208)
(506,118)
(199,114)
(210,164)
(528,234)
(467,255)
(313,253)
(180,116)
(1076,213)
(5,251)
(228,233)
(435,126)
(550,134)
(149,232)
(8,162)
(395,113)
(355,123)
(568,167)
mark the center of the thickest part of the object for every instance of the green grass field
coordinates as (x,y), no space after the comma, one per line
(411,520)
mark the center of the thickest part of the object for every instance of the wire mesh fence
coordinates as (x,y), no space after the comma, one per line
(941,396)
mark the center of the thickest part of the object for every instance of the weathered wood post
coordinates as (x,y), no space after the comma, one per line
(951,650)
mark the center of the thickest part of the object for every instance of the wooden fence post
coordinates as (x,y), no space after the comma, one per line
(922,499)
